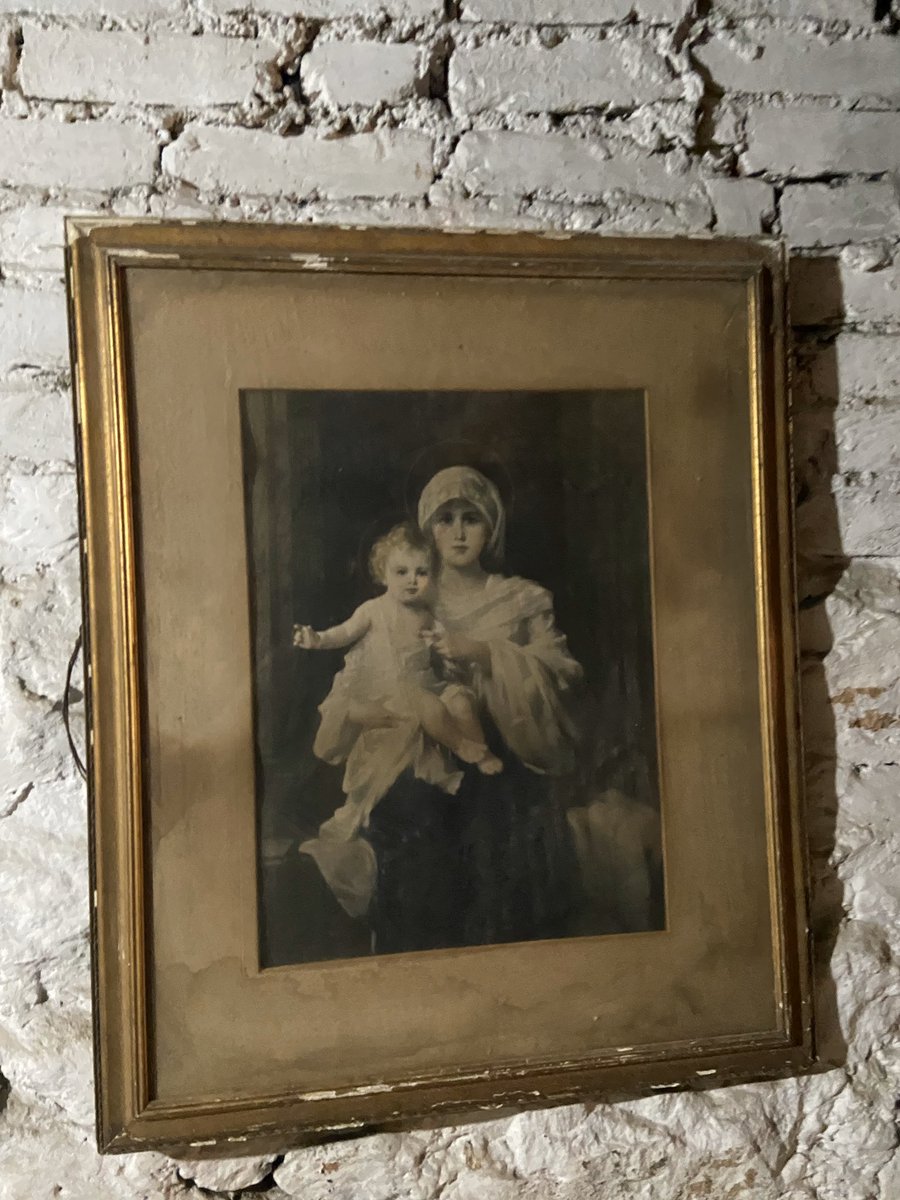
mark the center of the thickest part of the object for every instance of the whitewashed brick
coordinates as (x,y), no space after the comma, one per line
(819,536)
(818,215)
(328,10)
(366,73)
(853,521)
(7,52)
(32,237)
(854,449)
(662,11)
(39,621)
(857,12)
(795,65)
(36,426)
(861,615)
(38,521)
(87,156)
(728,122)
(872,296)
(740,205)
(867,732)
(868,365)
(637,217)
(862,440)
(572,12)
(448,208)
(571,76)
(490,163)
(859,365)
(225,1174)
(246,160)
(135,12)
(34,328)
(73,64)
(333,9)
(798,141)
(547,12)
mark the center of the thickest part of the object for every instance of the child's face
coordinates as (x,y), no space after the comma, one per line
(407,575)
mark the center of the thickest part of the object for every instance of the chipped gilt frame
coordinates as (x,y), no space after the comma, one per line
(201,1045)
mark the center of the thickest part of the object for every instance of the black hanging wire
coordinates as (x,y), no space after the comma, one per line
(73,749)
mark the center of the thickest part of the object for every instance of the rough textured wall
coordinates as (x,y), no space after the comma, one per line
(699,116)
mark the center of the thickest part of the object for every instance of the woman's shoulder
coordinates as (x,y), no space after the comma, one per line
(525,592)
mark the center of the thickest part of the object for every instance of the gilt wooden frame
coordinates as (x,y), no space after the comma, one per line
(105,258)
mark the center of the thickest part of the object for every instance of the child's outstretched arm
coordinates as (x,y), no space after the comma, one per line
(337,637)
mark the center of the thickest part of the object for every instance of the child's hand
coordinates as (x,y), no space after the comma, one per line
(432,634)
(306,637)
(456,647)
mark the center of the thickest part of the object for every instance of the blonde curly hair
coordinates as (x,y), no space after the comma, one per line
(406,536)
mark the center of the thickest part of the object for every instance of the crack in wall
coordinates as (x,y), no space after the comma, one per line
(17,801)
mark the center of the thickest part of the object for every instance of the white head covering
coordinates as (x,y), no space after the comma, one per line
(469,485)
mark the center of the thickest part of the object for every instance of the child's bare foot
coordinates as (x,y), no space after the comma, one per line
(490,764)
(469,751)
(479,756)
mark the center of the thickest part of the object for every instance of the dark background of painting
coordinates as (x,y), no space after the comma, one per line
(328,472)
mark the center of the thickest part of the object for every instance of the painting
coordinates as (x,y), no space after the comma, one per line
(453,669)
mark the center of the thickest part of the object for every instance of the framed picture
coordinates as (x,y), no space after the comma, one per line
(440,639)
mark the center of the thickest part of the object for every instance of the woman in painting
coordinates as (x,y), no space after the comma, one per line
(493,863)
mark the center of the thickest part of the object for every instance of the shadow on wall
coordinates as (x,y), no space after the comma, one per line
(817,306)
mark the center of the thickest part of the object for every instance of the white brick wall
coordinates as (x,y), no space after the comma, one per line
(573,75)
(743,207)
(362,73)
(494,164)
(815,214)
(257,163)
(807,141)
(334,9)
(138,12)
(88,155)
(7,52)
(573,12)
(825,293)
(868,366)
(871,295)
(858,12)
(725,117)
(31,238)
(803,66)
(37,425)
(176,70)
(34,329)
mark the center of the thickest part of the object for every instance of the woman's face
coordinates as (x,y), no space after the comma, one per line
(460,533)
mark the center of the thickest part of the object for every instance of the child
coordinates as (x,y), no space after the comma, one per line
(388,675)
(382,701)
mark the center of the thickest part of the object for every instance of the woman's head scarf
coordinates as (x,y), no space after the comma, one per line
(470,486)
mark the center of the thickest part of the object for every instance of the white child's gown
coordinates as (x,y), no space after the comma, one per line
(385,657)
